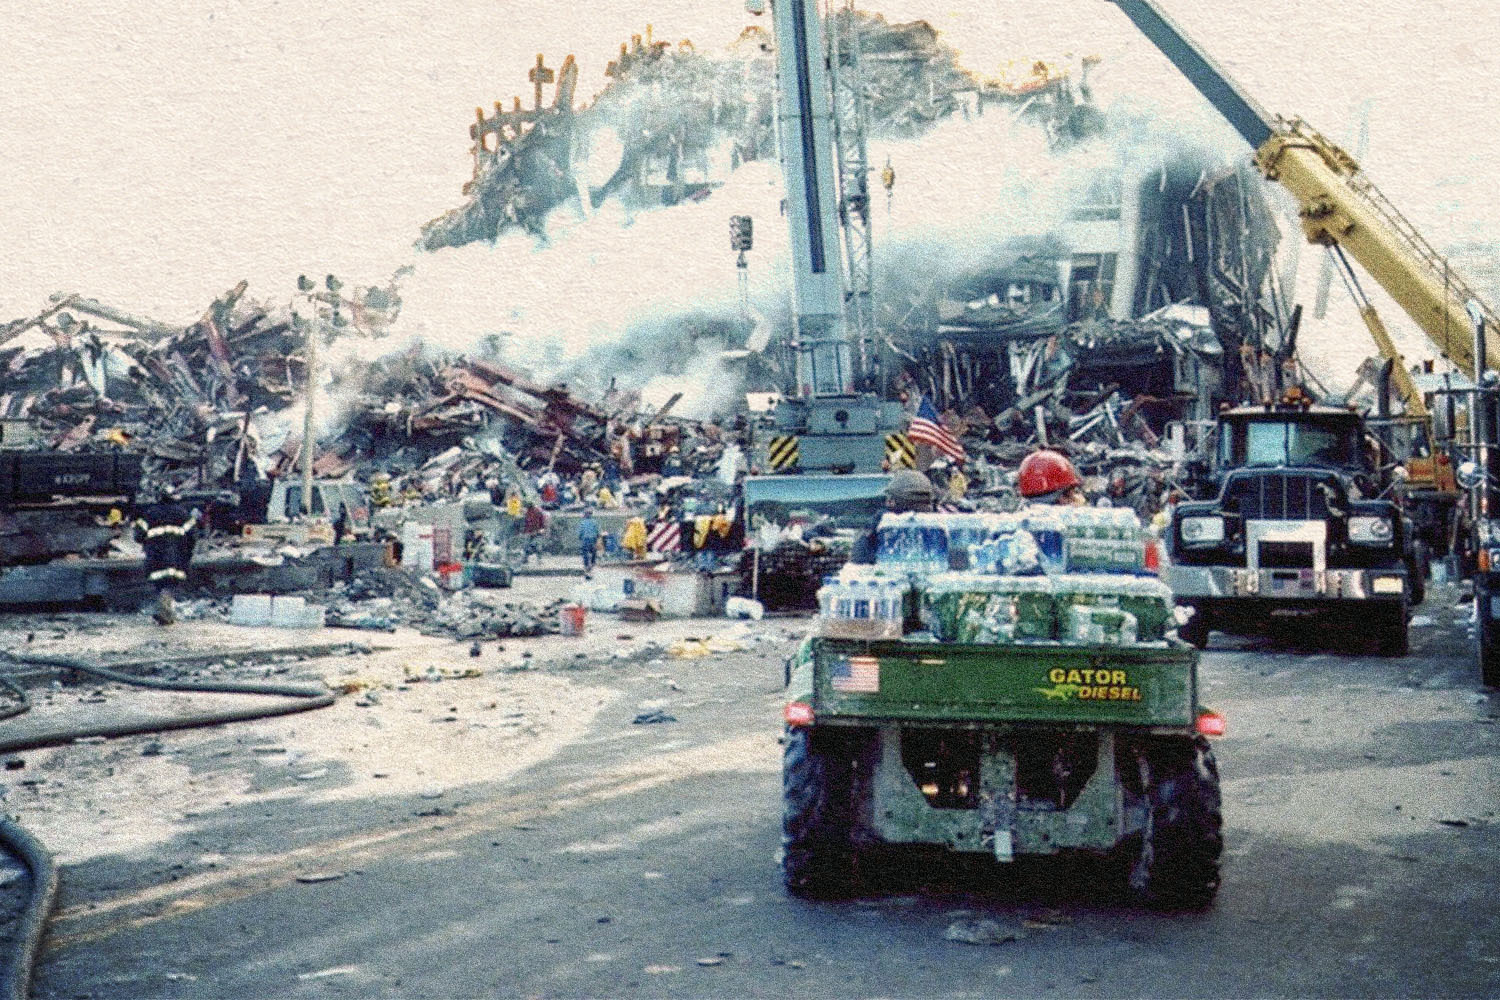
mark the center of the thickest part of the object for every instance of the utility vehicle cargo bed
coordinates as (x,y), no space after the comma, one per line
(863,682)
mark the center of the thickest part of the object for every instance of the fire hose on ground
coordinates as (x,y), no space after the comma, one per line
(16,972)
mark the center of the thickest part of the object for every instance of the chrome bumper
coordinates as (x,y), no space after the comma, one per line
(1188,582)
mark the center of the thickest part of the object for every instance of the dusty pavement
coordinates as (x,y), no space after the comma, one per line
(516,832)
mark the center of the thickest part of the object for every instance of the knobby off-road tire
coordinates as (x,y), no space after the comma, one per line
(1174,863)
(817,858)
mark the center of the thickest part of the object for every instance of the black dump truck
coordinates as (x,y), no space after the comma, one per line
(52,503)
(1295,521)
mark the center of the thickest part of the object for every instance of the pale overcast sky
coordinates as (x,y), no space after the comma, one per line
(153,153)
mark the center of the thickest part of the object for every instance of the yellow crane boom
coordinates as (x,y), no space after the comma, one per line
(1339,207)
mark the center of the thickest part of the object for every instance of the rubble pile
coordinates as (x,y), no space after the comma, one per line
(214,404)
(439,425)
(185,397)
(385,599)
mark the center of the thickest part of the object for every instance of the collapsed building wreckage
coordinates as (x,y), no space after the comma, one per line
(1155,299)
(209,405)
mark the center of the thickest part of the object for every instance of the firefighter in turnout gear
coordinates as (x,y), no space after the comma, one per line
(167,531)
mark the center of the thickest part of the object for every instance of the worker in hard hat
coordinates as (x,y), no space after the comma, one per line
(548,483)
(380,490)
(1048,477)
(907,490)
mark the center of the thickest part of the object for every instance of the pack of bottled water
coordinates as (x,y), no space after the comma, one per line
(970,607)
(862,602)
(1098,626)
(1012,552)
(913,543)
(965,530)
(1087,539)
(1043,573)
(1148,601)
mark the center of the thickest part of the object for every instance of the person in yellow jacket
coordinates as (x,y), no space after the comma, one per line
(513,504)
(634,540)
(958,485)
(380,490)
(606,498)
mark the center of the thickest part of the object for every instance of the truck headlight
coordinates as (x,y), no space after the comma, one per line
(1370,530)
(1202,530)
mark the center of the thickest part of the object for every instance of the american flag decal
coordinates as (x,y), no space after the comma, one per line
(856,675)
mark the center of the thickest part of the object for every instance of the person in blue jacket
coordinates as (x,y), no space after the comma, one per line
(588,541)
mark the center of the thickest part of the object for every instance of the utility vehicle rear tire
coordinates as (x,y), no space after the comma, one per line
(1174,863)
(817,858)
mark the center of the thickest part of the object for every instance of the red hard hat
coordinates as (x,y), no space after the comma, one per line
(1044,472)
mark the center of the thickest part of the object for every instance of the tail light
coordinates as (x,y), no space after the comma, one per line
(1210,723)
(1484,560)
(798,714)
(1153,555)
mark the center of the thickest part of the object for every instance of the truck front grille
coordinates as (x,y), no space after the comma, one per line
(1286,555)
(1279,496)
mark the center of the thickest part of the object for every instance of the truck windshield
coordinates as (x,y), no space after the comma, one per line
(1263,442)
(847,515)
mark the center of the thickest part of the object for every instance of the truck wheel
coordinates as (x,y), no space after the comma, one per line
(1421,566)
(817,859)
(1174,863)
(1196,631)
(1393,635)
(1486,637)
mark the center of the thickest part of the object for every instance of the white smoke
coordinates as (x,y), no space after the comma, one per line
(611,295)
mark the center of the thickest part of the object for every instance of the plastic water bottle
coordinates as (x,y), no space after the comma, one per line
(1049,531)
(825,596)
(860,600)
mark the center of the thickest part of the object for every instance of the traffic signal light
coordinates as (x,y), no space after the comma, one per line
(741,232)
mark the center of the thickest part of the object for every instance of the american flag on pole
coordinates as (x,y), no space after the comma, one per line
(856,674)
(927,428)
(664,536)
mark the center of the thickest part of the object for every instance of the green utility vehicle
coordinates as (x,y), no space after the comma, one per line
(1003,750)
